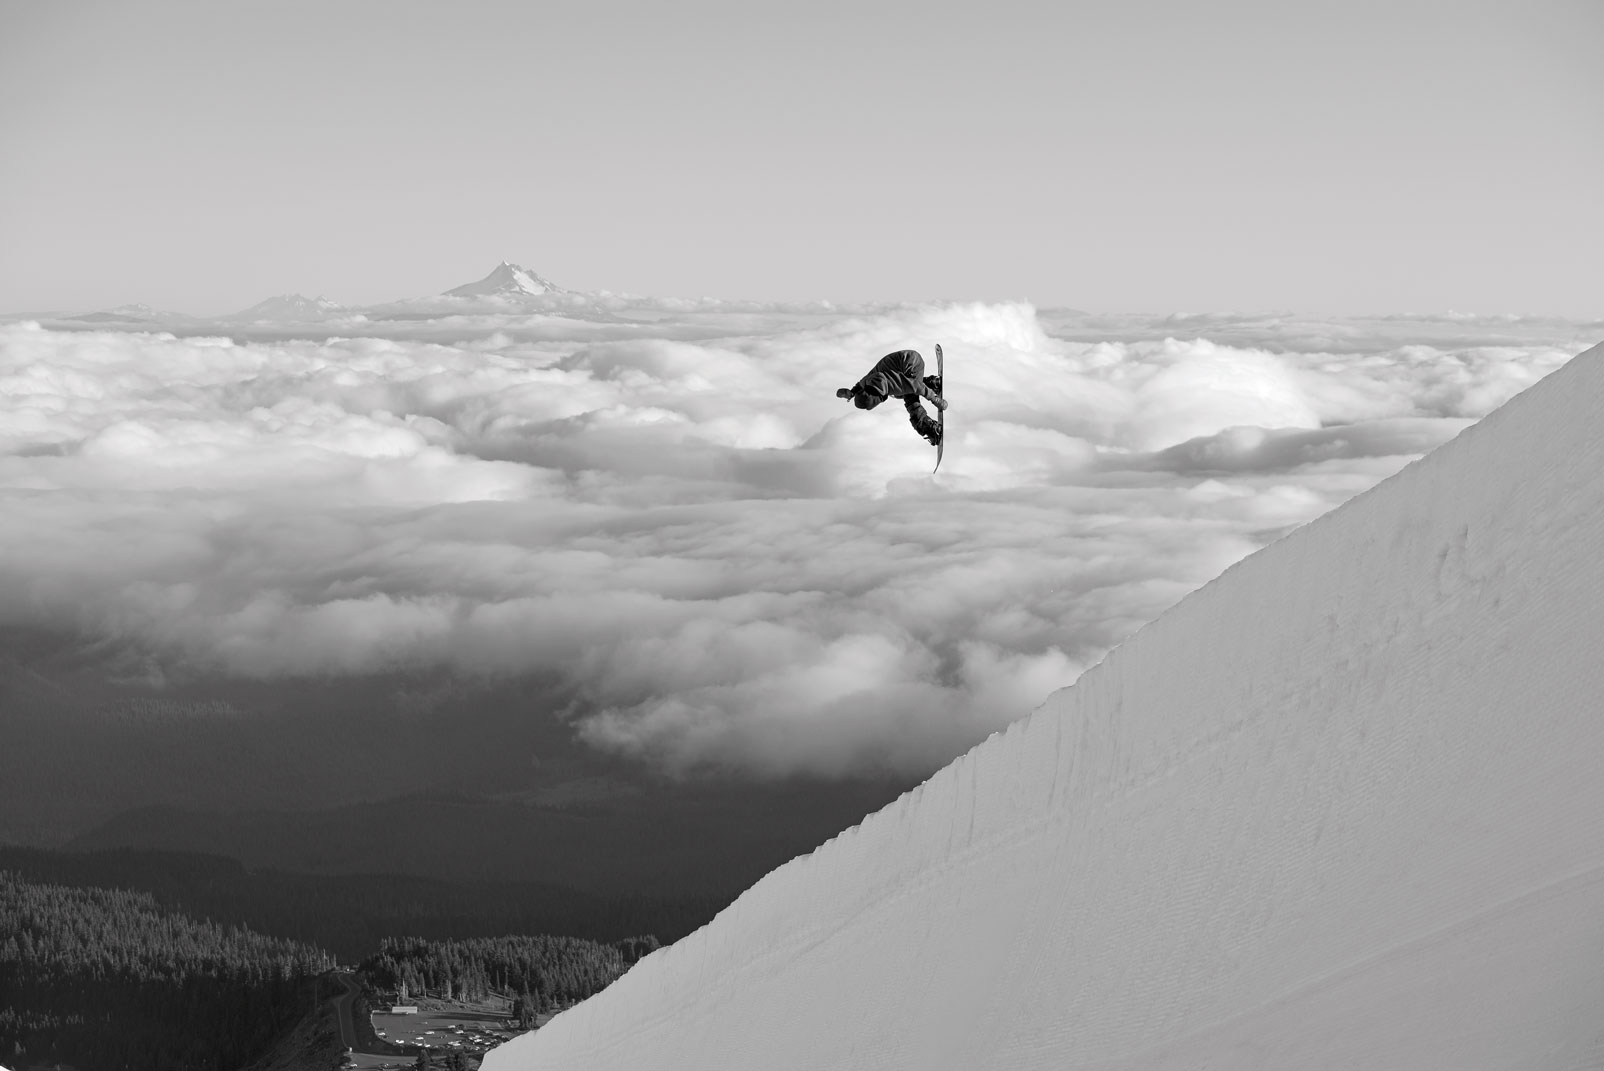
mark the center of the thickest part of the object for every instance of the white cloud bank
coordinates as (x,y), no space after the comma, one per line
(726,565)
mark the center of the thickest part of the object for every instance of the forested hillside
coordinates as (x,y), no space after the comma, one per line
(108,979)
(351,914)
(543,971)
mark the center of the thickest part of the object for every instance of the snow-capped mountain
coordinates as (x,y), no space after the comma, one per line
(509,289)
(1340,807)
(294,308)
(507,281)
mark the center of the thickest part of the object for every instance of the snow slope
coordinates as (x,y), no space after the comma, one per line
(1342,807)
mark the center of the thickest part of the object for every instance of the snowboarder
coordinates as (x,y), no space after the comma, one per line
(901,375)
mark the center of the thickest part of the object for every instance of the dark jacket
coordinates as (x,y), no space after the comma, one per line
(895,375)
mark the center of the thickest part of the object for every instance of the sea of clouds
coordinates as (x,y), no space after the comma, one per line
(668,510)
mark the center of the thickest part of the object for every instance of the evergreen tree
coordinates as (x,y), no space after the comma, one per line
(545,970)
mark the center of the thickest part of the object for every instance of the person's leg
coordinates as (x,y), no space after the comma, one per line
(922,421)
(909,363)
(909,366)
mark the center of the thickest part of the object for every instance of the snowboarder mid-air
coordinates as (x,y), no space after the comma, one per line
(901,375)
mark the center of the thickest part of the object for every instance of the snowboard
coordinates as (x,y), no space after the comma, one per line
(941,414)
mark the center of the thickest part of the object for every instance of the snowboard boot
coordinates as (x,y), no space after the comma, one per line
(934,383)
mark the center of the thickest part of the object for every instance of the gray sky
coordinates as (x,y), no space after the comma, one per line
(1146,154)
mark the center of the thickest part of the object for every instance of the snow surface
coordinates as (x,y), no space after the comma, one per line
(1341,807)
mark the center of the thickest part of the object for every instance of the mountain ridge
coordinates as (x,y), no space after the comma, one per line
(507,284)
(292,308)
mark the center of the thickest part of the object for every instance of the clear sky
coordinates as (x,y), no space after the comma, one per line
(1138,155)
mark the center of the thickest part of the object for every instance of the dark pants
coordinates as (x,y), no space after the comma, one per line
(898,375)
(922,421)
(895,375)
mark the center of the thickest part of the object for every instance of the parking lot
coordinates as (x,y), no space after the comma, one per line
(440,1030)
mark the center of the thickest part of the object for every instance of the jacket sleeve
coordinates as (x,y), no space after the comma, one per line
(866,399)
(875,383)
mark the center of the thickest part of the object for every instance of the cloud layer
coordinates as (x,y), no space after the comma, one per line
(723,565)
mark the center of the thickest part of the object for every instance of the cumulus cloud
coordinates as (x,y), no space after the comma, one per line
(722,564)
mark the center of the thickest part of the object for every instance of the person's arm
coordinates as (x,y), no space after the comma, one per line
(863,399)
(871,390)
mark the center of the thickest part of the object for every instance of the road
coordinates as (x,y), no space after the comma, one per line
(356,1059)
(345,1003)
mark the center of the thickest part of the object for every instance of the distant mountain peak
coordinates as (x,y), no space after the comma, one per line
(507,280)
(294,307)
(137,313)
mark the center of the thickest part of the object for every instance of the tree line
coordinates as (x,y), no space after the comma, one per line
(351,914)
(543,972)
(109,979)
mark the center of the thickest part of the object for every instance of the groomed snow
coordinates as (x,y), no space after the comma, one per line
(1342,807)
